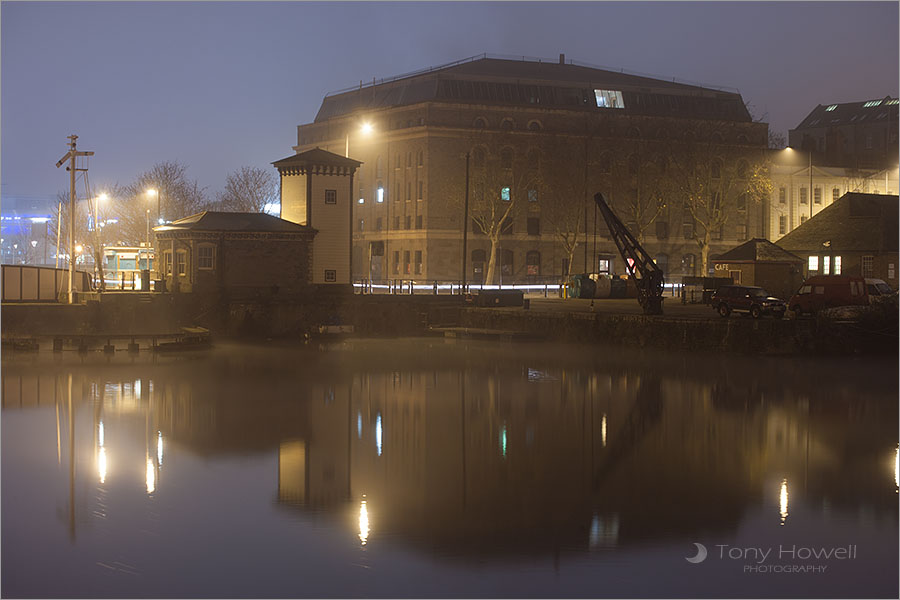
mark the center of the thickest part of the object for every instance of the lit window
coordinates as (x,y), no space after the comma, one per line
(803,195)
(813,263)
(782,195)
(872,103)
(826,265)
(835,194)
(817,195)
(867,263)
(837,265)
(782,225)
(532,196)
(831,108)
(891,102)
(379,195)
(361,201)
(504,194)
(181,262)
(609,99)
(206,257)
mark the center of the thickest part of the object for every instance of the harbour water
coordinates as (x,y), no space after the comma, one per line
(427,467)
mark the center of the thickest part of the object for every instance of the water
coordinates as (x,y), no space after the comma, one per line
(431,468)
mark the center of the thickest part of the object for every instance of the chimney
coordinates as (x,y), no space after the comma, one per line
(562,59)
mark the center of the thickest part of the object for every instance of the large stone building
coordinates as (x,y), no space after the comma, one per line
(855,135)
(542,137)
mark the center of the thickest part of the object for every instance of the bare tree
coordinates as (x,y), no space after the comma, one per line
(642,194)
(173,196)
(564,213)
(713,183)
(501,181)
(249,189)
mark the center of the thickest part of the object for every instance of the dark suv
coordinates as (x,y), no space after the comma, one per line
(754,301)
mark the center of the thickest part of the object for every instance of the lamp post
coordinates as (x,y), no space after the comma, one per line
(365,128)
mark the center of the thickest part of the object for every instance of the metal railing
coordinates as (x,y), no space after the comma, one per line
(28,283)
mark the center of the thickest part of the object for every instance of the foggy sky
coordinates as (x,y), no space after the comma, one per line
(222,85)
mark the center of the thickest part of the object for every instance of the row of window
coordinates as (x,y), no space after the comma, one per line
(407,267)
(206,260)
(804,195)
(407,221)
(831,265)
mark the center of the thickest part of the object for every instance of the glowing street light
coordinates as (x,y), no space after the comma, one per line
(366,129)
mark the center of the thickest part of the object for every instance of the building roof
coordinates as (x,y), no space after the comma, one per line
(758,250)
(483,80)
(854,223)
(317,160)
(847,113)
(233,221)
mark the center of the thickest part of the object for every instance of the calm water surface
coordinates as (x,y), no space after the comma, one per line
(431,468)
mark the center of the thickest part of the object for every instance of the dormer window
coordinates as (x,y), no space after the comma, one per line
(609,99)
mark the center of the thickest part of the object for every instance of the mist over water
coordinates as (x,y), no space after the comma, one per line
(425,467)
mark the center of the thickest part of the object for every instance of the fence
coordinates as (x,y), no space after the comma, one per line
(26,283)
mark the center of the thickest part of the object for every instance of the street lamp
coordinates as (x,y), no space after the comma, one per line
(366,129)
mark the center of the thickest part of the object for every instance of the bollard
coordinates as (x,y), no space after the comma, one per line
(435,287)
(57,345)
(109,348)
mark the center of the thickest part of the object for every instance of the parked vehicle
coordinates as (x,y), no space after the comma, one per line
(827,291)
(879,290)
(753,301)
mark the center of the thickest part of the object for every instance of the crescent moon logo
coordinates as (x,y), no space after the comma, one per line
(701,554)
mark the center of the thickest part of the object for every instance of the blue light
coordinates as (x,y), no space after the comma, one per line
(378,433)
(359,425)
(503,441)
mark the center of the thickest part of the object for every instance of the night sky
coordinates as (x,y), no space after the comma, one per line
(222,85)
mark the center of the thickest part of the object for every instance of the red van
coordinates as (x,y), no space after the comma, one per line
(826,291)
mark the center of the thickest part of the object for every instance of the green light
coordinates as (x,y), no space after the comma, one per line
(503,441)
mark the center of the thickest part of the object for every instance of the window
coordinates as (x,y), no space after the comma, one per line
(534,126)
(817,195)
(804,193)
(717,232)
(837,265)
(406,265)
(504,194)
(742,169)
(604,165)
(330,275)
(480,123)
(379,167)
(362,225)
(634,164)
(534,226)
(633,132)
(418,221)
(478,157)
(782,225)
(742,232)
(534,160)
(408,191)
(688,263)
(507,124)
(742,139)
(533,263)
(742,202)
(687,230)
(831,108)
(662,261)
(478,258)
(361,200)
(395,267)
(506,227)
(379,194)
(420,158)
(662,230)
(180,262)
(206,257)
(378,224)
(835,194)
(532,195)
(330,196)
(867,263)
(167,262)
(813,264)
(409,159)
(421,190)
(409,221)
(609,99)
(715,169)
(803,219)
(418,262)
(826,265)
(506,158)
(782,195)
(506,262)
(396,222)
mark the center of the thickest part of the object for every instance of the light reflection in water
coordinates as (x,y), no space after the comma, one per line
(359,425)
(101,465)
(897,470)
(363,522)
(503,441)
(378,433)
(100,434)
(783,500)
(603,430)
(151,477)
(159,448)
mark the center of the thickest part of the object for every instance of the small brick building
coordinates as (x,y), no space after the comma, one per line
(242,254)
(759,262)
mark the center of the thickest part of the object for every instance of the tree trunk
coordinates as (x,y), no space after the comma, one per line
(704,255)
(492,261)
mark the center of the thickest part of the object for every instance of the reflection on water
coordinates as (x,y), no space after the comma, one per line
(470,469)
